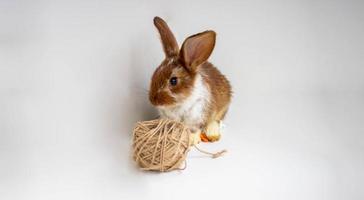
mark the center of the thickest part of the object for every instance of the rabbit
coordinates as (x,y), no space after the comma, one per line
(186,87)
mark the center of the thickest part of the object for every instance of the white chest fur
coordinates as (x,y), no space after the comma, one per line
(192,110)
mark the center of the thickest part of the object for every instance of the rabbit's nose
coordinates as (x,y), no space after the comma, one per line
(153,98)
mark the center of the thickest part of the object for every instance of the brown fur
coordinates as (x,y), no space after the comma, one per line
(220,90)
(160,87)
(196,49)
(185,64)
(169,42)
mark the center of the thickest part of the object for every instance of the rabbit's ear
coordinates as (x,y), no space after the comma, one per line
(169,42)
(196,49)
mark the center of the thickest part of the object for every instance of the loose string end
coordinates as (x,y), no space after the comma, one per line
(213,155)
(219,154)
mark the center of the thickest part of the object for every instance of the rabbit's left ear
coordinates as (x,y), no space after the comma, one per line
(196,49)
(169,42)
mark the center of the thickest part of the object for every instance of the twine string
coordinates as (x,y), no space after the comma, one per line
(163,144)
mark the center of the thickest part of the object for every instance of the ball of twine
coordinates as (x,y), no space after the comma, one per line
(160,145)
(163,144)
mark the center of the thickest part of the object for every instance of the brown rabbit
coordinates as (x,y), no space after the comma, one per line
(187,88)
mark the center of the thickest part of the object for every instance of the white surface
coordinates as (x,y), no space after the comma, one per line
(73,76)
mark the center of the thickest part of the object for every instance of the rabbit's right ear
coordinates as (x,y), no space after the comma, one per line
(197,48)
(169,42)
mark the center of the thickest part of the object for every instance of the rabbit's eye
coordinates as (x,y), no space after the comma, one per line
(173,81)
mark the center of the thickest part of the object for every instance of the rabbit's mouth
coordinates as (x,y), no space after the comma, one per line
(161,99)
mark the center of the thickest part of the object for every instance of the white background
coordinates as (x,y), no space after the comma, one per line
(74,77)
